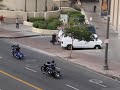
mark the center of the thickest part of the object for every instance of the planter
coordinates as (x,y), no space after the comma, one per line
(44,31)
(27,23)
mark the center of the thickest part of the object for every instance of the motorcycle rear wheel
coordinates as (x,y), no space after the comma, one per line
(57,74)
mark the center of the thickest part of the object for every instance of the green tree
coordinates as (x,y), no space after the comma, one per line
(78,32)
(76,18)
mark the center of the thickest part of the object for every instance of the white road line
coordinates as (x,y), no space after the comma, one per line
(31,65)
(97,82)
(30,69)
(71,87)
(58,68)
(102,85)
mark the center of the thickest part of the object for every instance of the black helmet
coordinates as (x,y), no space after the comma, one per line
(53,61)
(48,62)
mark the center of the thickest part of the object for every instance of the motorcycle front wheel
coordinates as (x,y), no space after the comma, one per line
(42,69)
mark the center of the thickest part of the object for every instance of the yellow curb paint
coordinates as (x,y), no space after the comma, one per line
(20,80)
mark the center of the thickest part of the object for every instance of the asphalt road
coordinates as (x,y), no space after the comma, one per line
(26,75)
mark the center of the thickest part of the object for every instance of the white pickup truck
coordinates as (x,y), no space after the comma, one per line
(96,43)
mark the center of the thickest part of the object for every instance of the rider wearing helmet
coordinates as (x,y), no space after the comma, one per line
(17,48)
(50,65)
(13,47)
(53,64)
(47,64)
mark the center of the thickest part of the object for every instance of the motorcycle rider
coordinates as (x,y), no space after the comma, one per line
(49,65)
(15,48)
(53,65)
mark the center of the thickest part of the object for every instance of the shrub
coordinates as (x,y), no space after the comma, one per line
(36,24)
(51,23)
(36,19)
(40,24)
(51,26)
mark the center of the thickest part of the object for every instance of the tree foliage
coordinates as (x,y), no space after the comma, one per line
(78,32)
(75,18)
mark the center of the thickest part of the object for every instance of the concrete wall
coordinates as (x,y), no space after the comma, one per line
(14,14)
(50,14)
(63,3)
(44,31)
(64,9)
(25,15)
(30,5)
(35,14)
(115,14)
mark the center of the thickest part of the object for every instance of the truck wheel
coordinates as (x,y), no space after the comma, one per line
(69,47)
(97,47)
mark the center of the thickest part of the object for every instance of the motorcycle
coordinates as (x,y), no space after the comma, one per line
(50,71)
(18,55)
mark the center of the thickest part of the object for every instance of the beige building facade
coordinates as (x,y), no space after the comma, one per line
(28,5)
(115,15)
(61,3)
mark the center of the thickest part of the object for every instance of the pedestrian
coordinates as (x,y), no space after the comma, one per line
(94,9)
(17,23)
(2,19)
(53,38)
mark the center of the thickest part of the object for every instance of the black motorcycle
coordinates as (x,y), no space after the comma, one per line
(17,55)
(55,72)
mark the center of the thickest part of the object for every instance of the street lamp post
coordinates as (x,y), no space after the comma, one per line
(107,37)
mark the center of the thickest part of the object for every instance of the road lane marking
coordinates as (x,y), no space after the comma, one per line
(97,82)
(58,68)
(31,60)
(20,80)
(71,87)
(31,65)
(30,69)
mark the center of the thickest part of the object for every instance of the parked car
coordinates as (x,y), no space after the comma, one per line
(92,29)
(93,43)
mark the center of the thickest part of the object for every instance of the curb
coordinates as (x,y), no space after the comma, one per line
(12,37)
